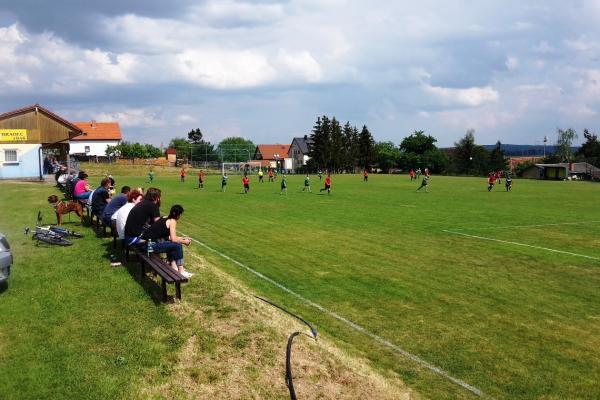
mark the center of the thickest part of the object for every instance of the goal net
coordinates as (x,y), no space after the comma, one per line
(240,168)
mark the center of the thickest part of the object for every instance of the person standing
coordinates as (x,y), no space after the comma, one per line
(366,176)
(283,185)
(201,179)
(270,174)
(412,174)
(424,184)
(327,184)
(246,183)
(260,176)
(224,179)
(491,181)
(182,174)
(306,183)
(508,182)
(151,175)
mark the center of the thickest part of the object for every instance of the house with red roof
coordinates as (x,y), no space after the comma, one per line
(96,137)
(273,156)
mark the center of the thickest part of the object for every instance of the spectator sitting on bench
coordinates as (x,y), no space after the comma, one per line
(164,233)
(120,216)
(100,198)
(82,188)
(142,215)
(114,205)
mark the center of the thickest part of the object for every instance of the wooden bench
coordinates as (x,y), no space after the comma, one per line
(160,266)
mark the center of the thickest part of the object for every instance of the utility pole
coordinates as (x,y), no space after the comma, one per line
(545,141)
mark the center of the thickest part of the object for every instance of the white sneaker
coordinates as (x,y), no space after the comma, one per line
(187,274)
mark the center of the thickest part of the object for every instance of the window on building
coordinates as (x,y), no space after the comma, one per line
(87,149)
(11,156)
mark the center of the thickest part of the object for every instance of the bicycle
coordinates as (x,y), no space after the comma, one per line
(52,234)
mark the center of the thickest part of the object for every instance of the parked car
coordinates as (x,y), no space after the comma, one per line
(6,259)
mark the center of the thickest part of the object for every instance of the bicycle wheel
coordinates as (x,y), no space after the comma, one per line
(55,240)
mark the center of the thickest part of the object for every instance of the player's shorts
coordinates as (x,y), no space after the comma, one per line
(306,184)
(327,186)
(246,186)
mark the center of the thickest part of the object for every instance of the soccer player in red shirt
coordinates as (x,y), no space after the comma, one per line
(201,179)
(246,183)
(491,181)
(412,175)
(366,176)
(270,174)
(182,174)
(327,184)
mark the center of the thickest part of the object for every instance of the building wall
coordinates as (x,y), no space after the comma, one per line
(40,127)
(27,165)
(97,147)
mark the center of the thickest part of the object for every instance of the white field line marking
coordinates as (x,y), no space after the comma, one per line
(351,324)
(523,244)
(531,226)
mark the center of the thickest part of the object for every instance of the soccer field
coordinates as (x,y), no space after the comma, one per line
(499,292)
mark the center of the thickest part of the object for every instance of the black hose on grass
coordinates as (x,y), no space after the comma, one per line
(313,331)
(289,379)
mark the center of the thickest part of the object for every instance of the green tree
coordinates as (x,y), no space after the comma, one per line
(336,155)
(418,143)
(195,136)
(366,147)
(386,155)
(320,149)
(590,149)
(498,161)
(564,143)
(468,157)
(182,147)
(235,148)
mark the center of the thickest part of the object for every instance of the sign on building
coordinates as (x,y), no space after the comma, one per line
(13,135)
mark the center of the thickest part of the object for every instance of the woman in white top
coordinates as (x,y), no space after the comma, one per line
(120,216)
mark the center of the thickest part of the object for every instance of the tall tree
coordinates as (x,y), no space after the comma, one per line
(590,149)
(564,143)
(182,147)
(236,148)
(498,160)
(347,157)
(470,158)
(195,136)
(418,143)
(320,149)
(337,146)
(386,155)
(419,151)
(366,147)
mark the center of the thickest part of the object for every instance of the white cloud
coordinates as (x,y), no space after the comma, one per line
(512,63)
(472,97)
(134,117)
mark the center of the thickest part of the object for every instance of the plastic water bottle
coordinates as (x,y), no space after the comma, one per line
(149,247)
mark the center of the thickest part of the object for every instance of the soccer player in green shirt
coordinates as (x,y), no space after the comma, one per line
(283,185)
(224,182)
(424,184)
(151,176)
(306,183)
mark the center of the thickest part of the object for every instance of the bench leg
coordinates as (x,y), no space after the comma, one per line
(178,290)
(164,290)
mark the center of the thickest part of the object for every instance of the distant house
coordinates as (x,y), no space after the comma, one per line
(560,171)
(171,156)
(97,136)
(30,135)
(273,156)
(299,150)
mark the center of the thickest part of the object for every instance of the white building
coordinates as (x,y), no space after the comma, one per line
(95,138)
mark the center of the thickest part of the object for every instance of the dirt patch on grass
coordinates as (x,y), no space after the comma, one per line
(232,346)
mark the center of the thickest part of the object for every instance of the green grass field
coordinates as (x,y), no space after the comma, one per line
(513,321)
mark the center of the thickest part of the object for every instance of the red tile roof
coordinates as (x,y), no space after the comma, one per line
(93,130)
(171,151)
(37,107)
(268,151)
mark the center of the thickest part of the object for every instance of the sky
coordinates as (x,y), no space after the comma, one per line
(513,71)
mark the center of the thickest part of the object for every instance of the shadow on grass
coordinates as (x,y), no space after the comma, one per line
(150,284)
(3,287)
